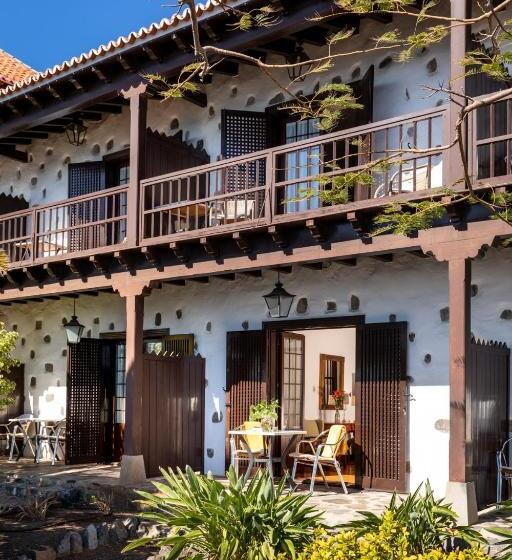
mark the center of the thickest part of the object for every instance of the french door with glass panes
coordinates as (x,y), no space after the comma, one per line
(292,387)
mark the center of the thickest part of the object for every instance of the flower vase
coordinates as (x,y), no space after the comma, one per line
(337,416)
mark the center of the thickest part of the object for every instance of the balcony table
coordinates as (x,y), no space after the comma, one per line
(293,436)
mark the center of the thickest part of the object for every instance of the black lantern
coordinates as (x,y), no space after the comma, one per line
(279,301)
(74,329)
(75,132)
(301,64)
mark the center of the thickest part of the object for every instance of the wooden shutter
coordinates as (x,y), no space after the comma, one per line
(17,374)
(244,132)
(381,387)
(487,413)
(85,395)
(179,345)
(245,376)
(85,178)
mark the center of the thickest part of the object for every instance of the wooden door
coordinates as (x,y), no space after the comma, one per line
(246,382)
(292,380)
(381,406)
(173,413)
(86,375)
(17,374)
(487,412)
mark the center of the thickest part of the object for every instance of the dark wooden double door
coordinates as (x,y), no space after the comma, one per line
(172,412)
(254,372)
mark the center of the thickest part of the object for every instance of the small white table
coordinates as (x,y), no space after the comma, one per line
(293,436)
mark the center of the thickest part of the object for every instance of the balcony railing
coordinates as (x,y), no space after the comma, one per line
(286,182)
(258,189)
(79,225)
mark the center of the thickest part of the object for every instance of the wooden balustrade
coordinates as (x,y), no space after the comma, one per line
(258,189)
(78,225)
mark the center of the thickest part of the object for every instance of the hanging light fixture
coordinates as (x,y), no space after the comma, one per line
(301,64)
(75,131)
(279,301)
(74,329)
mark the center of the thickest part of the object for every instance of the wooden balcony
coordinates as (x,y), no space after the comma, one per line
(254,191)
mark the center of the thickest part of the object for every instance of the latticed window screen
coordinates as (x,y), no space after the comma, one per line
(244,132)
(179,345)
(292,398)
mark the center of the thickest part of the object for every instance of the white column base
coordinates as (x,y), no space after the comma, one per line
(462,496)
(133,471)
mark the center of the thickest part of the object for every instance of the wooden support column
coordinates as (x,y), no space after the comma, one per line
(132,463)
(138,98)
(460,490)
(459,289)
(453,170)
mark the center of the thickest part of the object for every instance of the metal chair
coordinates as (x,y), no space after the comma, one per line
(21,438)
(7,434)
(252,448)
(504,469)
(54,438)
(325,454)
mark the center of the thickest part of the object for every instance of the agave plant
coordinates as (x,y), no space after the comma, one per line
(209,520)
(431,523)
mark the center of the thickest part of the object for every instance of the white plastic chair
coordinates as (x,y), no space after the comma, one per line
(251,448)
(53,437)
(504,469)
(20,434)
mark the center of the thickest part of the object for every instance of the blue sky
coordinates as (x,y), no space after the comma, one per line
(46,32)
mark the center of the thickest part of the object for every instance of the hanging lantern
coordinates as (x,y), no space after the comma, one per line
(74,329)
(301,64)
(75,132)
(279,301)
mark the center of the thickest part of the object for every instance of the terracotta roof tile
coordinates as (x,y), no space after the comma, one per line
(13,70)
(131,39)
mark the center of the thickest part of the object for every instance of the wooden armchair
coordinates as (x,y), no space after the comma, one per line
(321,452)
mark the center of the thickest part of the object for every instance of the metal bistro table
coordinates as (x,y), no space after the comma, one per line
(293,436)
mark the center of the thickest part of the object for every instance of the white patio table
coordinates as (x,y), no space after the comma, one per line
(293,436)
(23,427)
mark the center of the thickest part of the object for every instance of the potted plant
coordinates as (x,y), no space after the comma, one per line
(265,413)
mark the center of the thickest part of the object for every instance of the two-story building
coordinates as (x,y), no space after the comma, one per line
(161,226)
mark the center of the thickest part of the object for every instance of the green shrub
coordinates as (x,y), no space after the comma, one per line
(208,520)
(430,523)
(389,541)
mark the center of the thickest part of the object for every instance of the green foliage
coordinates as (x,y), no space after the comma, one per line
(389,541)
(416,42)
(7,345)
(210,521)
(4,261)
(505,543)
(428,523)
(491,64)
(368,6)
(261,17)
(264,409)
(408,217)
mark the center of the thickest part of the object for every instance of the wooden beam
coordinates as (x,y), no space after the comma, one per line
(386,257)
(347,262)
(253,273)
(200,279)
(316,231)
(14,140)
(277,237)
(178,251)
(242,243)
(12,153)
(209,247)
(230,277)
(198,98)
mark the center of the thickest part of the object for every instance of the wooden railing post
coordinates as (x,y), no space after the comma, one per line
(138,123)
(453,168)
(33,236)
(270,194)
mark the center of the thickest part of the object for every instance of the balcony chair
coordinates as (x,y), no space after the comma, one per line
(53,437)
(323,452)
(251,448)
(404,181)
(229,211)
(504,468)
(7,435)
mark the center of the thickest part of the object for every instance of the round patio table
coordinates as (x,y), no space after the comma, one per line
(293,436)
